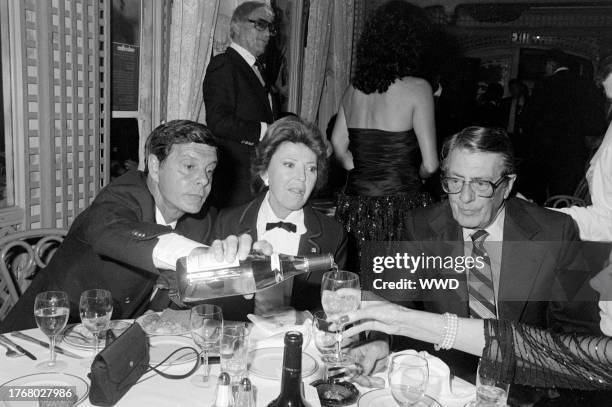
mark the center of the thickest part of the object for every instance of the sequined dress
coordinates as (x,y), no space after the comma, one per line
(516,353)
(382,186)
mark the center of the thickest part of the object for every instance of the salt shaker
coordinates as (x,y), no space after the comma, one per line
(245,394)
(223,395)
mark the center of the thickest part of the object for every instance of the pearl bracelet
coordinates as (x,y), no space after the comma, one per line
(449,332)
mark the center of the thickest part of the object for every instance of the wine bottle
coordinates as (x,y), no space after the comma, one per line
(197,281)
(291,379)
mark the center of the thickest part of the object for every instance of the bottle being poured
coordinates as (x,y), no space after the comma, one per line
(199,279)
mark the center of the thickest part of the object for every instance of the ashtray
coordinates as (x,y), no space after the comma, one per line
(335,394)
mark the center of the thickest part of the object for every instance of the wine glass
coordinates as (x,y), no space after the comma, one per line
(96,308)
(51,310)
(340,294)
(408,376)
(324,337)
(206,323)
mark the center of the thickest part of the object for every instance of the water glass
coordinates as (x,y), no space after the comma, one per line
(96,308)
(489,391)
(340,294)
(51,311)
(206,323)
(234,348)
(408,376)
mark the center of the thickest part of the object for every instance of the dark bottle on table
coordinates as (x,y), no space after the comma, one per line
(197,282)
(291,382)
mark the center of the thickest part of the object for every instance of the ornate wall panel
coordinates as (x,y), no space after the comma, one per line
(65,59)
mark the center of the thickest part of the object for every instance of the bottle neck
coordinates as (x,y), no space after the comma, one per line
(291,381)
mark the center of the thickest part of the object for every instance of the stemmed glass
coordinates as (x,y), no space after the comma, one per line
(408,376)
(206,322)
(51,310)
(96,308)
(340,294)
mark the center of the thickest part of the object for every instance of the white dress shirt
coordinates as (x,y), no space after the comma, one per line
(493,246)
(285,242)
(595,221)
(171,246)
(250,59)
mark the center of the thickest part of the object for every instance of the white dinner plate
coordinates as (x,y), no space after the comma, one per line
(80,337)
(42,380)
(162,346)
(383,398)
(268,363)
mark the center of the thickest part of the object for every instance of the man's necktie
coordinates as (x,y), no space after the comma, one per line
(259,70)
(288,226)
(480,281)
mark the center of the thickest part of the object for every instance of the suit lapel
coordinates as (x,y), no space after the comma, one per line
(309,241)
(247,220)
(253,80)
(448,241)
(521,261)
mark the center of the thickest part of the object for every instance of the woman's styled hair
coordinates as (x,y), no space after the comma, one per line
(391,46)
(289,129)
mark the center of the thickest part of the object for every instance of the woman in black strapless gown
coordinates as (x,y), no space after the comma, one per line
(384,134)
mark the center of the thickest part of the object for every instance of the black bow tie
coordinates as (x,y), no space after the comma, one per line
(288,226)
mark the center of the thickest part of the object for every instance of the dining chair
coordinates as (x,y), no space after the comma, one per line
(22,255)
(564,201)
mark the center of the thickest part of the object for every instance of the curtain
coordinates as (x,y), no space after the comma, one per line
(191,43)
(338,71)
(315,57)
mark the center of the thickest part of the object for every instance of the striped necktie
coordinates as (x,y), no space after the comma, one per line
(480,281)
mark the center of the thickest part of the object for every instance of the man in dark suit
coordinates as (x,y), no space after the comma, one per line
(238,103)
(532,269)
(563,112)
(138,226)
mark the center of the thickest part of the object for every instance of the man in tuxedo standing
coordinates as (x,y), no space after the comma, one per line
(238,103)
(563,112)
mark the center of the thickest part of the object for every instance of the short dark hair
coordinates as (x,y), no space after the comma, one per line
(161,140)
(392,46)
(243,11)
(290,129)
(482,140)
(605,69)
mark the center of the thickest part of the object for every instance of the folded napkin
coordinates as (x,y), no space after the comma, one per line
(449,392)
(269,330)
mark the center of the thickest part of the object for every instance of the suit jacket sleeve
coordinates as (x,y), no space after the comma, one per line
(573,305)
(114,228)
(341,249)
(221,100)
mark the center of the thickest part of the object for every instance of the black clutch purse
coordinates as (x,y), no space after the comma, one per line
(121,364)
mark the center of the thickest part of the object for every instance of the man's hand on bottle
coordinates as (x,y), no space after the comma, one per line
(232,248)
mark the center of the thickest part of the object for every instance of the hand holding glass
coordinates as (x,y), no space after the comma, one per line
(408,376)
(51,310)
(96,308)
(206,322)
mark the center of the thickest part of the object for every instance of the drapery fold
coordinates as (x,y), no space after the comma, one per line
(191,45)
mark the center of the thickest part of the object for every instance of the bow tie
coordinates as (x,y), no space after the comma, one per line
(288,226)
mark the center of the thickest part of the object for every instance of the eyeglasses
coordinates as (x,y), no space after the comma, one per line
(262,25)
(482,188)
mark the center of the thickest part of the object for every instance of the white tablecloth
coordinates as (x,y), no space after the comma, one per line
(155,390)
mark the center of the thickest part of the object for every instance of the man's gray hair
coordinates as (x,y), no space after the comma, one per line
(244,10)
(481,140)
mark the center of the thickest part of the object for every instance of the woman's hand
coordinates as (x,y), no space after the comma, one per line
(379,316)
(372,357)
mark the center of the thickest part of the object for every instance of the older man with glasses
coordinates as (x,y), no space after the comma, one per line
(531,265)
(239,105)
